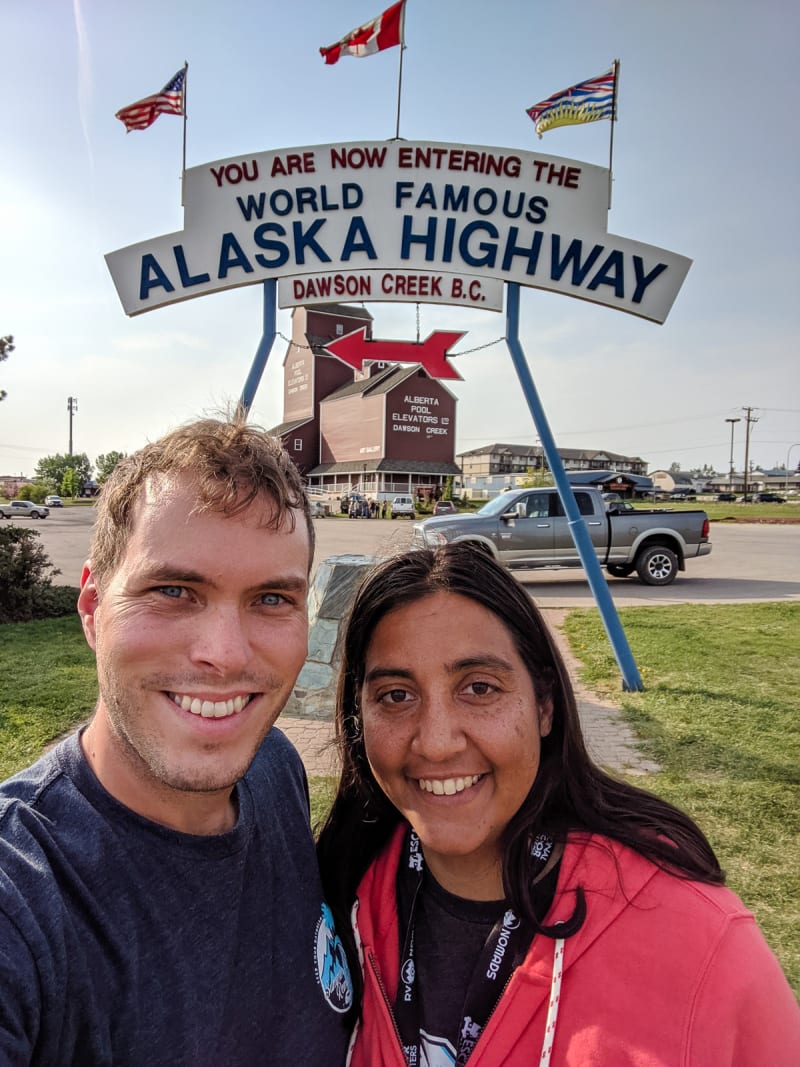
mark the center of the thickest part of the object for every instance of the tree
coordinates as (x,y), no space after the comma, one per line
(536,478)
(24,569)
(6,348)
(35,491)
(53,468)
(674,468)
(105,464)
(69,483)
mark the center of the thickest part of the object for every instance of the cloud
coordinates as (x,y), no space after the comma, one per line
(85,85)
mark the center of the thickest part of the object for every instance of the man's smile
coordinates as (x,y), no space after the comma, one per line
(211,709)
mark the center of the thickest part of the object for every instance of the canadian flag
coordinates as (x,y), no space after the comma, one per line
(383,32)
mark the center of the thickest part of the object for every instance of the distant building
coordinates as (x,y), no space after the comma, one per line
(491,469)
(776,480)
(10,484)
(677,482)
(387,429)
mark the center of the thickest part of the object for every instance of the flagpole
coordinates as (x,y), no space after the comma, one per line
(399,87)
(615,68)
(400,67)
(183,167)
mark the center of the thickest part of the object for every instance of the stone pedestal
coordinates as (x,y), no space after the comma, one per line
(331,595)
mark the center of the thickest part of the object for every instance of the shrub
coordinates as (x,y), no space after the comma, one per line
(26,575)
(34,491)
(54,601)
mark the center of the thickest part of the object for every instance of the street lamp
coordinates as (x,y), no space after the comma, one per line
(730,471)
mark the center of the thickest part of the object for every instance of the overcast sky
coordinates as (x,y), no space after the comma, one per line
(705,165)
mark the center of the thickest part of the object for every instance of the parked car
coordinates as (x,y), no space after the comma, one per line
(726,498)
(54,502)
(24,509)
(528,528)
(444,507)
(403,505)
(763,498)
(683,494)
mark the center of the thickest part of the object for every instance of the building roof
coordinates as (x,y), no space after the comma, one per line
(348,311)
(536,450)
(381,382)
(678,477)
(287,427)
(639,481)
(514,450)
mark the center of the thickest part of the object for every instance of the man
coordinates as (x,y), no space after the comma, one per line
(159,897)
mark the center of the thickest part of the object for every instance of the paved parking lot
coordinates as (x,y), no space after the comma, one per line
(748,563)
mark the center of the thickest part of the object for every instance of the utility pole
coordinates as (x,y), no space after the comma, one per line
(749,418)
(72,407)
(730,469)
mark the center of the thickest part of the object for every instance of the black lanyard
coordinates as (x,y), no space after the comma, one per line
(503,951)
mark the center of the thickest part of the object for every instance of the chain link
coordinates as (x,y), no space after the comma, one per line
(462,352)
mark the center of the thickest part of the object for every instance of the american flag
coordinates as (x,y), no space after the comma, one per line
(170,101)
(585,102)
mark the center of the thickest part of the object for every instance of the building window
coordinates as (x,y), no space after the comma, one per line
(297,444)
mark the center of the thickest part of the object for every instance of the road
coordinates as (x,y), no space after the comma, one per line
(749,562)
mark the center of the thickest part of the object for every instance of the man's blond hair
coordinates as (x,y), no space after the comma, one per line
(230,462)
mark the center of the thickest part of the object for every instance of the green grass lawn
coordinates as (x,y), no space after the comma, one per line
(47,685)
(719,715)
(721,512)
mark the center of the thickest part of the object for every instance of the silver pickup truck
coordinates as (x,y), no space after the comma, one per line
(528,528)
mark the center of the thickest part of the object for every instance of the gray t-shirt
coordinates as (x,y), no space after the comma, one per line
(123,942)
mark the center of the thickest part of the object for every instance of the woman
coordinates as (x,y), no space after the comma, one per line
(514,904)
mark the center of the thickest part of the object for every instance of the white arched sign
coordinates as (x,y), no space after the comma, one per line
(398,221)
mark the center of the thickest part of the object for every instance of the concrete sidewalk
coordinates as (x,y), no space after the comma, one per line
(611,742)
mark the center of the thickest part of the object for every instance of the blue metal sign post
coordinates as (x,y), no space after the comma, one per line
(631,679)
(264,346)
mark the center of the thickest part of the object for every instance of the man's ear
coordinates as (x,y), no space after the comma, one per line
(88,601)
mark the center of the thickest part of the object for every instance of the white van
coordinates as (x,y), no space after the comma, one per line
(403,505)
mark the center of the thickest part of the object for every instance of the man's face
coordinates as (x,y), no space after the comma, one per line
(200,634)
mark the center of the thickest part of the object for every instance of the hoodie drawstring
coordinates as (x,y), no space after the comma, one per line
(552,1008)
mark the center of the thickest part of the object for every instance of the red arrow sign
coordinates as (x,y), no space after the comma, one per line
(354,350)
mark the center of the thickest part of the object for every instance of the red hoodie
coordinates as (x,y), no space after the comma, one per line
(663,973)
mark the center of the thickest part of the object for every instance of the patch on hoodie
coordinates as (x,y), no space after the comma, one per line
(332,971)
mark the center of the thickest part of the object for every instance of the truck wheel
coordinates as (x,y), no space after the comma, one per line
(620,570)
(657,565)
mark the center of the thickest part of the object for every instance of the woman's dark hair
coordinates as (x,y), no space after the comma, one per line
(570,793)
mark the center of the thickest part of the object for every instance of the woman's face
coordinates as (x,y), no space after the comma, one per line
(452,731)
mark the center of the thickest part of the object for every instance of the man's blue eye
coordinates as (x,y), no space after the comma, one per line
(173,591)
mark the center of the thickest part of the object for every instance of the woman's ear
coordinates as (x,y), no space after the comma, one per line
(545,717)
